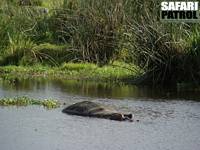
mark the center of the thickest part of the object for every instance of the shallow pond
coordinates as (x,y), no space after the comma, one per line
(169,120)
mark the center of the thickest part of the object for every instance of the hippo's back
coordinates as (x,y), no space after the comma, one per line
(85,108)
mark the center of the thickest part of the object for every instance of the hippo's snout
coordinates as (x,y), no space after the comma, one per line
(128,117)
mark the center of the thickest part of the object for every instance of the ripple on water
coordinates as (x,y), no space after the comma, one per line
(164,125)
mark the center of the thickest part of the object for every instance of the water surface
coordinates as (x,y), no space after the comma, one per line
(169,120)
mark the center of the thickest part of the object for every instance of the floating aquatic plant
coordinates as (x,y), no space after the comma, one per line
(25,101)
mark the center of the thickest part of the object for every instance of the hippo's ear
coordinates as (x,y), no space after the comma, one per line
(128,116)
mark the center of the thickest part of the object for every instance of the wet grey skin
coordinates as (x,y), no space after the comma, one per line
(91,109)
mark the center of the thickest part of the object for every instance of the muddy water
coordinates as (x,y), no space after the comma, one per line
(169,120)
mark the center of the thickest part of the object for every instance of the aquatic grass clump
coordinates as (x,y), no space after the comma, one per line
(25,101)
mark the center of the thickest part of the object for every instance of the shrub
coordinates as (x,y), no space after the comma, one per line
(92,27)
(19,51)
(158,48)
(25,52)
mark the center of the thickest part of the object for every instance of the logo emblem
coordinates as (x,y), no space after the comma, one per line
(178,11)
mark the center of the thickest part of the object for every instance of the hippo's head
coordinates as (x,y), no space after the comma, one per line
(128,117)
(121,117)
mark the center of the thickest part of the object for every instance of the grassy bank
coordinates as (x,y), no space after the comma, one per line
(25,101)
(117,72)
(52,33)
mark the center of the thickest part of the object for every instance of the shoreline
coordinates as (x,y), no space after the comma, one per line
(117,73)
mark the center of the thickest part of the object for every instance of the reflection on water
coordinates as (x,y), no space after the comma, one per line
(102,90)
(164,124)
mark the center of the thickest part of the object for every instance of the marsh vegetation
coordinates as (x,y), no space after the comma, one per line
(97,33)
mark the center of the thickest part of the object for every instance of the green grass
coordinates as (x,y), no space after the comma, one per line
(25,101)
(78,71)
(97,32)
(25,52)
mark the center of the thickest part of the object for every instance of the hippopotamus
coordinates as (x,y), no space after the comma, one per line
(91,109)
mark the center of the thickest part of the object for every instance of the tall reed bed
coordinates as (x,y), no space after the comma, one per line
(167,52)
(91,27)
